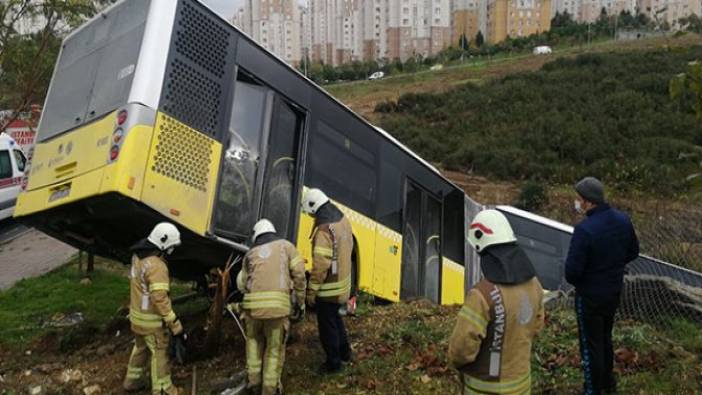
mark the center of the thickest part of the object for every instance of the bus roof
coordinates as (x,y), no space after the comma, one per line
(536,218)
(379,130)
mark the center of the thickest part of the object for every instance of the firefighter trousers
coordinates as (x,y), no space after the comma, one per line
(150,350)
(265,352)
(332,334)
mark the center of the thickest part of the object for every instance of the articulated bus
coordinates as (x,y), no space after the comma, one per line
(161,110)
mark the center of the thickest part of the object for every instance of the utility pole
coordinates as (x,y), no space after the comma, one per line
(588,34)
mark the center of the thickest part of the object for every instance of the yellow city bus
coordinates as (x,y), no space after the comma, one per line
(161,110)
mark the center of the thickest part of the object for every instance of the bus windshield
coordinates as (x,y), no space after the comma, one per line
(94,72)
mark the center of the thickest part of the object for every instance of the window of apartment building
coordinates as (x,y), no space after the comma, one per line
(437,10)
(405,21)
(437,21)
(405,10)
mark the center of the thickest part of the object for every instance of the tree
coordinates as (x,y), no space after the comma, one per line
(27,57)
(463,42)
(479,39)
(689,83)
(691,23)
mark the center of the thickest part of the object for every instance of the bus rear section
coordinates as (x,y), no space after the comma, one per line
(107,163)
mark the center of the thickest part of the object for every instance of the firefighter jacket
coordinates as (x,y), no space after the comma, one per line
(491,342)
(272,271)
(332,245)
(150,306)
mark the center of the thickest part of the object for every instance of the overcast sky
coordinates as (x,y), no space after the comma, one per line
(225,8)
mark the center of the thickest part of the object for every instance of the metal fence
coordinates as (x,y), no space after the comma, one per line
(664,283)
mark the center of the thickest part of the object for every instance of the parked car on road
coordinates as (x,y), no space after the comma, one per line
(12,166)
(377,75)
(543,50)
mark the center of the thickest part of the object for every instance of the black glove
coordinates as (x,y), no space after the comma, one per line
(298,314)
(178,347)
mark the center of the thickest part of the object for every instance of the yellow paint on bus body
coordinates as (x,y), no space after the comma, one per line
(388,263)
(182,165)
(380,258)
(126,174)
(452,282)
(72,154)
(170,167)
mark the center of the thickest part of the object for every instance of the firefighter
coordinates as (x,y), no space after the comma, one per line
(272,273)
(152,318)
(330,279)
(491,342)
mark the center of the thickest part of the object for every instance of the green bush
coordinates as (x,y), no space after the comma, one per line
(608,115)
(532,196)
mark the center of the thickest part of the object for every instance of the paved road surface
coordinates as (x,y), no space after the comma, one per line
(28,253)
(9,229)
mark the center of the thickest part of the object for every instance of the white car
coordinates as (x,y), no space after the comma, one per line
(12,166)
(542,50)
(377,75)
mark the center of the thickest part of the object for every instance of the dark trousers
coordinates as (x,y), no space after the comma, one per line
(595,322)
(332,334)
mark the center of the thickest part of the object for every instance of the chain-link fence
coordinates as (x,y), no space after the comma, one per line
(661,286)
(664,283)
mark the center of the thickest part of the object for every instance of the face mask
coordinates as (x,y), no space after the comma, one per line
(578,207)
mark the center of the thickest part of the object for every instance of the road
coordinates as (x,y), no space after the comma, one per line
(9,229)
(26,253)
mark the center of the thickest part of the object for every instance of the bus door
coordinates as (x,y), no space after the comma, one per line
(260,162)
(280,172)
(421,244)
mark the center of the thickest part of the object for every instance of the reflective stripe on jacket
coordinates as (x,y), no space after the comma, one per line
(150,305)
(491,342)
(332,245)
(272,271)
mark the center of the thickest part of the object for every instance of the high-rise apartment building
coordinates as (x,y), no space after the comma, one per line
(418,27)
(275,24)
(572,7)
(375,22)
(466,17)
(670,11)
(517,18)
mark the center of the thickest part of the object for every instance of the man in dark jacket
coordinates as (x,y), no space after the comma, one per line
(602,244)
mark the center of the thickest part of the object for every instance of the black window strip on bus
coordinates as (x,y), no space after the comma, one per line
(342,168)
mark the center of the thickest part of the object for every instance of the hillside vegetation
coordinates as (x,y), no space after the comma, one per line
(605,114)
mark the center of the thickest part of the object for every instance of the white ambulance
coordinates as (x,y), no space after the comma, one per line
(13,163)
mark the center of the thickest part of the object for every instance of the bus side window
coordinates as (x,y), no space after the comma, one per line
(5,164)
(20,159)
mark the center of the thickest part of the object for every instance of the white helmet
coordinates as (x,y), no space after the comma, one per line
(490,227)
(263,226)
(165,236)
(313,200)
